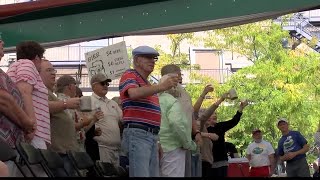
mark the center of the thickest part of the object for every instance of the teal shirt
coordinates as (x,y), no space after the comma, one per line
(175,129)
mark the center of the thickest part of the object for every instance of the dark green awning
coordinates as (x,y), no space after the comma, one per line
(112,18)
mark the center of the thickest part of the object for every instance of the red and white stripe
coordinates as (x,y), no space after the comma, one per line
(25,70)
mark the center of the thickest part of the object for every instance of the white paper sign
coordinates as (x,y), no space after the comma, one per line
(112,61)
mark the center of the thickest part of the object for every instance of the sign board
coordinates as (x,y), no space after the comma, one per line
(112,61)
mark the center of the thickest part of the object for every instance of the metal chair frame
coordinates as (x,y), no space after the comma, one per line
(31,156)
(8,154)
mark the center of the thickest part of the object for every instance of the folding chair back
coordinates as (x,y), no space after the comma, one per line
(82,161)
(31,156)
(109,170)
(123,172)
(53,161)
(8,154)
(30,153)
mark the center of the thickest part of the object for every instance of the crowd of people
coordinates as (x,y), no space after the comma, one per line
(154,127)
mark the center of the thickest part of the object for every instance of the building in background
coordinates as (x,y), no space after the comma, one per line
(70,59)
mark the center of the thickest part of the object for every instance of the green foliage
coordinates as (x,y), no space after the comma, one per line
(255,41)
(278,89)
(281,83)
(313,41)
(129,50)
(175,56)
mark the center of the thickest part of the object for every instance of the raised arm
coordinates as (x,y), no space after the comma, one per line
(236,118)
(197,105)
(145,91)
(57,106)
(203,118)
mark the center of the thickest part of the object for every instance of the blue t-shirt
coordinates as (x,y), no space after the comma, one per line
(292,142)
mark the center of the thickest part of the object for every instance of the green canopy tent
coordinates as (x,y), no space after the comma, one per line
(82,20)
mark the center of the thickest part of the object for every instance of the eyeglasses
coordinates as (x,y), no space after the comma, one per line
(104,83)
(155,58)
(51,70)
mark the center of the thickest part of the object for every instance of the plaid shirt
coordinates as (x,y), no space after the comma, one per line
(9,131)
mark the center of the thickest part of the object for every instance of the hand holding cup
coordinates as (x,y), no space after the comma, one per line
(73,103)
(85,104)
(170,82)
(225,96)
(233,94)
(244,103)
(98,114)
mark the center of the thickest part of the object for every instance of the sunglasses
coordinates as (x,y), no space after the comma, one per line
(104,83)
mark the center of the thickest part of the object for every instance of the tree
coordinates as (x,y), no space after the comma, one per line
(175,56)
(278,90)
(281,83)
(259,40)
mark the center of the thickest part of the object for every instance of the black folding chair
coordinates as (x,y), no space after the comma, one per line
(54,162)
(82,161)
(8,154)
(106,169)
(31,156)
(109,170)
(123,172)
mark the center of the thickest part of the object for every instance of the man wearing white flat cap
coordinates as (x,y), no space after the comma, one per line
(141,113)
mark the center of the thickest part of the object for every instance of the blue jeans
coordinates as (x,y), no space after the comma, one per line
(196,165)
(142,150)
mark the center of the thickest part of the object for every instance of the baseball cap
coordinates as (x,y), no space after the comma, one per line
(65,80)
(99,78)
(145,50)
(255,131)
(282,120)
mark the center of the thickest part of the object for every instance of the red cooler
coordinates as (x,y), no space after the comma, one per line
(238,167)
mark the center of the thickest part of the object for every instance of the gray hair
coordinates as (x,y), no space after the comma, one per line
(170,68)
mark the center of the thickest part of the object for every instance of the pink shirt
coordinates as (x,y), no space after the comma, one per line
(25,70)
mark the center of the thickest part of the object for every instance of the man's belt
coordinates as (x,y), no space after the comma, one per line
(143,127)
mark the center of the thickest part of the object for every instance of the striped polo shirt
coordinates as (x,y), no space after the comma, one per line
(144,111)
(25,70)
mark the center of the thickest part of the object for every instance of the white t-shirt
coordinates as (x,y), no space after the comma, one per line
(260,153)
